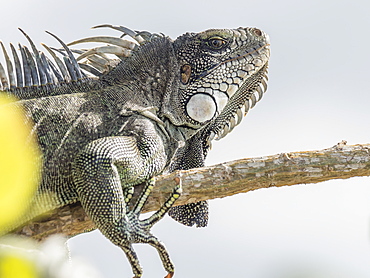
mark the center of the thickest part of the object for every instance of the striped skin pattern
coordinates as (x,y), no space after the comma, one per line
(113,116)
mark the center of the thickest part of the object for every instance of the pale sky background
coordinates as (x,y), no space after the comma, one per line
(318,95)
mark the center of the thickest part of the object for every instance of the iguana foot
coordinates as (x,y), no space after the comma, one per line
(135,230)
(138,231)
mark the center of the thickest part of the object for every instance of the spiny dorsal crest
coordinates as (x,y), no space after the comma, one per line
(32,69)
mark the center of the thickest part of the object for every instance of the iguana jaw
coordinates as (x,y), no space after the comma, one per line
(248,94)
(221,95)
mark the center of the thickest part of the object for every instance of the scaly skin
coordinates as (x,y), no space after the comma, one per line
(154,109)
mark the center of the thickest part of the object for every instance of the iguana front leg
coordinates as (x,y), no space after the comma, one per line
(101,172)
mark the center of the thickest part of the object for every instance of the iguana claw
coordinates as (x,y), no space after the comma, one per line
(169,275)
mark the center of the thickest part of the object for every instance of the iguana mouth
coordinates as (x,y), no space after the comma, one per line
(249,53)
(236,58)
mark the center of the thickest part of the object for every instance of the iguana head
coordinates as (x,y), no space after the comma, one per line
(222,74)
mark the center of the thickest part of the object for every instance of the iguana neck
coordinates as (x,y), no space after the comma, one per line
(145,76)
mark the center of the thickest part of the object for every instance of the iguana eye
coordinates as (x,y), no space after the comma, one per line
(216,43)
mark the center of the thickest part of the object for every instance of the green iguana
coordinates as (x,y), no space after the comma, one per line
(114,116)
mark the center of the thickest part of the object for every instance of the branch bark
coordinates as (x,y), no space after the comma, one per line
(339,162)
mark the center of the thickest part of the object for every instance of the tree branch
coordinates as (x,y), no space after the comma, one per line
(226,179)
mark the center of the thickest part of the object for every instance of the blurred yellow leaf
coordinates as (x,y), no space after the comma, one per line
(19,163)
(12,266)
